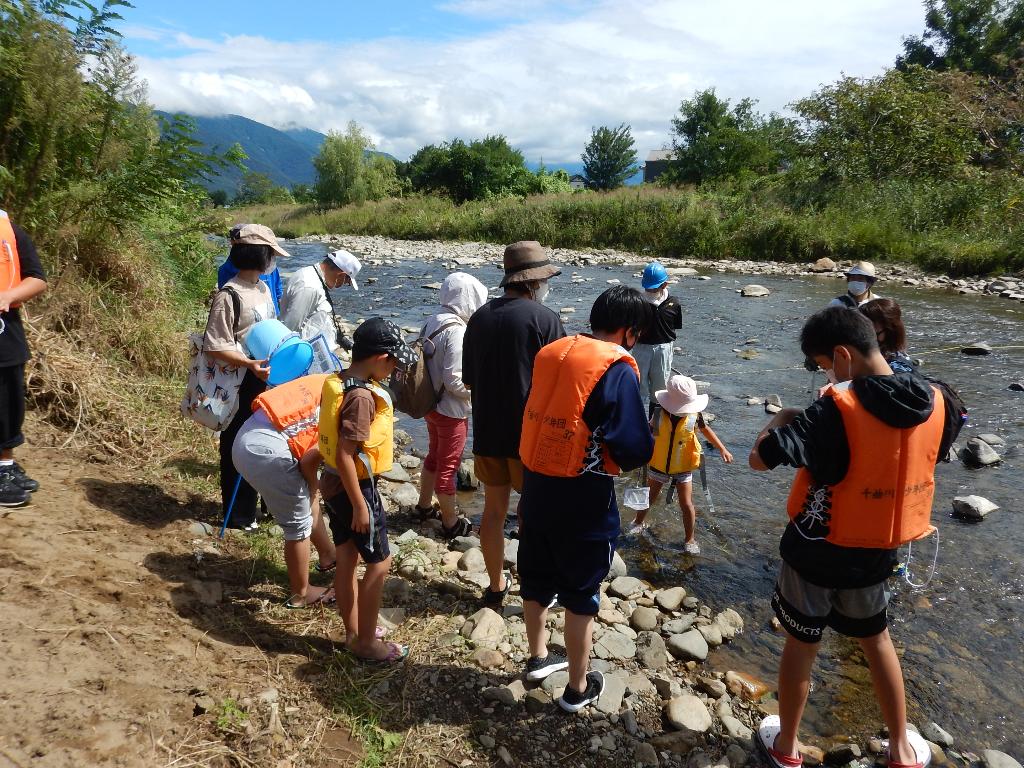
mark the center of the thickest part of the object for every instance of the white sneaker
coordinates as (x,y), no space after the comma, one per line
(637,528)
(691,548)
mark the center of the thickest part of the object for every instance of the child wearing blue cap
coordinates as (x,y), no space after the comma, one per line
(653,352)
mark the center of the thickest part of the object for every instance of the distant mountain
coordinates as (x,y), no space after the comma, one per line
(285,156)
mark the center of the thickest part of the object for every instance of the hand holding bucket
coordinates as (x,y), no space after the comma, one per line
(289,356)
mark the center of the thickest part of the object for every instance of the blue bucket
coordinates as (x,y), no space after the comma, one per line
(292,358)
(265,336)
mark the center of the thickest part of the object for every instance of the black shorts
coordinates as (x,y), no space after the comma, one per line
(551,563)
(12,405)
(805,609)
(372,546)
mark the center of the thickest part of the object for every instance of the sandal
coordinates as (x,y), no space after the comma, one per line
(396,654)
(427,513)
(922,752)
(326,598)
(320,568)
(767,732)
(461,527)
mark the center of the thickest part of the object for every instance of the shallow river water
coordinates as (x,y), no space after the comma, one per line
(961,637)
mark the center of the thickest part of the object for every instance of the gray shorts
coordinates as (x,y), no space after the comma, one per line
(805,609)
(261,455)
(661,477)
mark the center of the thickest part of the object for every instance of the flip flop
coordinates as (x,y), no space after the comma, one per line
(396,654)
(922,752)
(326,598)
(767,732)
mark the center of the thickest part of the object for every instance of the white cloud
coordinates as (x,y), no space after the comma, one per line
(545,83)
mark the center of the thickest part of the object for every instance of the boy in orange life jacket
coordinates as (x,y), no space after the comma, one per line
(584,422)
(677,451)
(866,453)
(353,504)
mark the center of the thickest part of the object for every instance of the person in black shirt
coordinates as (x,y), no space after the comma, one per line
(502,338)
(653,353)
(23,278)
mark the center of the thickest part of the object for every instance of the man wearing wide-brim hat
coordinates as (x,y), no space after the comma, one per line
(502,338)
(859,279)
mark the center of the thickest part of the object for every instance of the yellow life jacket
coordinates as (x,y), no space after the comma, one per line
(676,447)
(378,451)
(10,262)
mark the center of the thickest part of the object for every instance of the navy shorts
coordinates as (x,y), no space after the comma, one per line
(372,546)
(553,563)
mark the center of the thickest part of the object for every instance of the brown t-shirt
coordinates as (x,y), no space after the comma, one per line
(256,304)
(357,409)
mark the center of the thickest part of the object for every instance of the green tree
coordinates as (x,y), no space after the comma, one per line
(347,171)
(609,157)
(218,198)
(984,36)
(260,189)
(483,168)
(711,141)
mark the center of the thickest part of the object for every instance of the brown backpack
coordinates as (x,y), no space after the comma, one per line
(414,392)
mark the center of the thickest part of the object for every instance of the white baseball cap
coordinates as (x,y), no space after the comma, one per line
(347,263)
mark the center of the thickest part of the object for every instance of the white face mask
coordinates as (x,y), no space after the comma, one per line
(658,296)
(273,265)
(540,293)
(856,287)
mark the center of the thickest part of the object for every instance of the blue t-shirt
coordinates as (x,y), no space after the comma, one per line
(227,270)
(584,506)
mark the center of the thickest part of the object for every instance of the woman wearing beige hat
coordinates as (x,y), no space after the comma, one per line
(859,279)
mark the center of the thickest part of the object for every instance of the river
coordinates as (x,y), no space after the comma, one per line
(961,636)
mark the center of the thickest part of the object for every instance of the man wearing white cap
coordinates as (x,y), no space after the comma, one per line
(859,279)
(307,307)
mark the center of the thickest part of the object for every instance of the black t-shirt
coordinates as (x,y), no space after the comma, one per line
(666,319)
(13,346)
(502,338)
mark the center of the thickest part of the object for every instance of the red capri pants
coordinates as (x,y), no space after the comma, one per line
(447,439)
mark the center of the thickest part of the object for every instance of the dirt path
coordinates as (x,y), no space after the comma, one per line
(119,628)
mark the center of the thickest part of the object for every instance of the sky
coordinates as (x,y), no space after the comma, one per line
(543,73)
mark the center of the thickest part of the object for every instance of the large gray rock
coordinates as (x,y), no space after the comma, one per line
(405,495)
(994,440)
(466,478)
(972,508)
(670,599)
(688,646)
(978,453)
(511,552)
(645,754)
(688,713)
(614,645)
(488,628)
(730,623)
(651,651)
(625,586)
(824,264)
(644,618)
(977,348)
(464,543)
(711,634)
(472,561)
(712,687)
(397,474)
(678,626)
(618,567)
(754,291)
(736,729)
(993,758)
(610,700)
(935,732)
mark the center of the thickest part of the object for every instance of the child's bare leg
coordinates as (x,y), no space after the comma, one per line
(887,676)
(536,616)
(366,643)
(321,538)
(641,514)
(794,685)
(685,491)
(345,586)
(296,560)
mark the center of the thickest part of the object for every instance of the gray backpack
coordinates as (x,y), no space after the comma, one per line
(414,392)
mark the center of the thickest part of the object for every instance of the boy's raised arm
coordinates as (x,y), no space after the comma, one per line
(780,419)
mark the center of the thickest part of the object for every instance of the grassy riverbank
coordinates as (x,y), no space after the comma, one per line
(955,227)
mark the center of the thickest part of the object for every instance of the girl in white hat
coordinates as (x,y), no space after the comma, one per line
(677,451)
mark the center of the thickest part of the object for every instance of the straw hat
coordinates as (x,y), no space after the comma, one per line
(681,396)
(525,261)
(863,268)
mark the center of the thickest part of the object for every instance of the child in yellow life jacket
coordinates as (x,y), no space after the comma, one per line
(677,450)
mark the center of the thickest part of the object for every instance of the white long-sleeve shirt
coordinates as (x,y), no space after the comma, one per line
(304,305)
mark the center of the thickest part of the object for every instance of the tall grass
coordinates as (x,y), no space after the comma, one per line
(959,227)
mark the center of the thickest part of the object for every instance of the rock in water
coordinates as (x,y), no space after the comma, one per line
(978,453)
(993,758)
(1017,386)
(688,713)
(688,646)
(745,686)
(972,508)
(772,404)
(994,440)
(935,732)
(754,291)
(977,349)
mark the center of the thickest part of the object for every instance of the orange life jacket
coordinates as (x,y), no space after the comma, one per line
(294,410)
(10,263)
(885,500)
(555,439)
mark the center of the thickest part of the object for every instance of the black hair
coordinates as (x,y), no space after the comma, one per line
(251,256)
(522,287)
(620,307)
(835,326)
(886,313)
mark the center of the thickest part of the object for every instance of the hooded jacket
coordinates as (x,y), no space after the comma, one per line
(461,296)
(816,440)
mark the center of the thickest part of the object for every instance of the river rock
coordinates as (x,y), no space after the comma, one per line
(935,732)
(682,271)
(610,700)
(466,478)
(200,529)
(824,264)
(651,651)
(405,494)
(500,694)
(614,645)
(625,586)
(488,628)
(537,700)
(511,552)
(712,634)
(487,658)
(397,474)
(712,687)
(409,461)
(977,348)
(670,599)
(688,646)
(978,453)
(618,567)
(472,561)
(730,623)
(645,754)
(993,758)
(555,683)
(687,713)
(678,626)
(754,291)
(972,508)
(773,403)
(745,686)
(994,440)
(1017,386)
(644,619)
(736,729)
(841,754)
(464,543)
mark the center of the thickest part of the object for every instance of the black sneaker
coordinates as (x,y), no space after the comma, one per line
(572,701)
(11,494)
(21,479)
(537,668)
(494,599)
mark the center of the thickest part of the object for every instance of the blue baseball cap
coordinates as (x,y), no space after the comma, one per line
(654,276)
